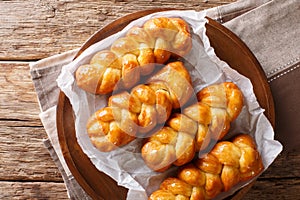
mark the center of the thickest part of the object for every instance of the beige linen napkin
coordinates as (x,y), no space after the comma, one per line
(270,28)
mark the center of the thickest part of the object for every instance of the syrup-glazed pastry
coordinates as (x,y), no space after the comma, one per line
(228,163)
(141,110)
(135,55)
(192,130)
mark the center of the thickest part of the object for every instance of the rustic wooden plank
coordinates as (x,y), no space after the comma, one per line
(286,189)
(286,165)
(283,189)
(32,190)
(18,99)
(23,155)
(38,29)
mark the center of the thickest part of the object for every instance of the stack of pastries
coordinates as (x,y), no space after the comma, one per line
(227,164)
(135,55)
(173,129)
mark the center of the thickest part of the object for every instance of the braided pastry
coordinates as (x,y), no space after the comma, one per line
(195,128)
(138,112)
(227,164)
(134,55)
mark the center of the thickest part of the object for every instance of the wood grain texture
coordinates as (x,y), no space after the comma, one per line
(36,29)
(52,190)
(23,155)
(284,189)
(285,166)
(18,100)
(32,190)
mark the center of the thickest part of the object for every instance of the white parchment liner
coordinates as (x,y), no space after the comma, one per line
(125,165)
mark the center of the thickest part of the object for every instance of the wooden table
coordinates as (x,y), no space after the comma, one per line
(32,30)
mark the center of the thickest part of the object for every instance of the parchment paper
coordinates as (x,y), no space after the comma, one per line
(125,165)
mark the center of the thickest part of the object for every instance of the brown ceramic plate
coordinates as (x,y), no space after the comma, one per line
(228,47)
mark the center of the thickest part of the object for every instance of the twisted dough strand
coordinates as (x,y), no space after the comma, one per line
(134,55)
(134,114)
(227,164)
(193,130)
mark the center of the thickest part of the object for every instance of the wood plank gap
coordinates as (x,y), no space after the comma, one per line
(17,61)
(18,123)
(31,181)
(277,179)
(32,190)
(12,120)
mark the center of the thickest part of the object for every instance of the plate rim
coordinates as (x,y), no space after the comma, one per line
(63,100)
